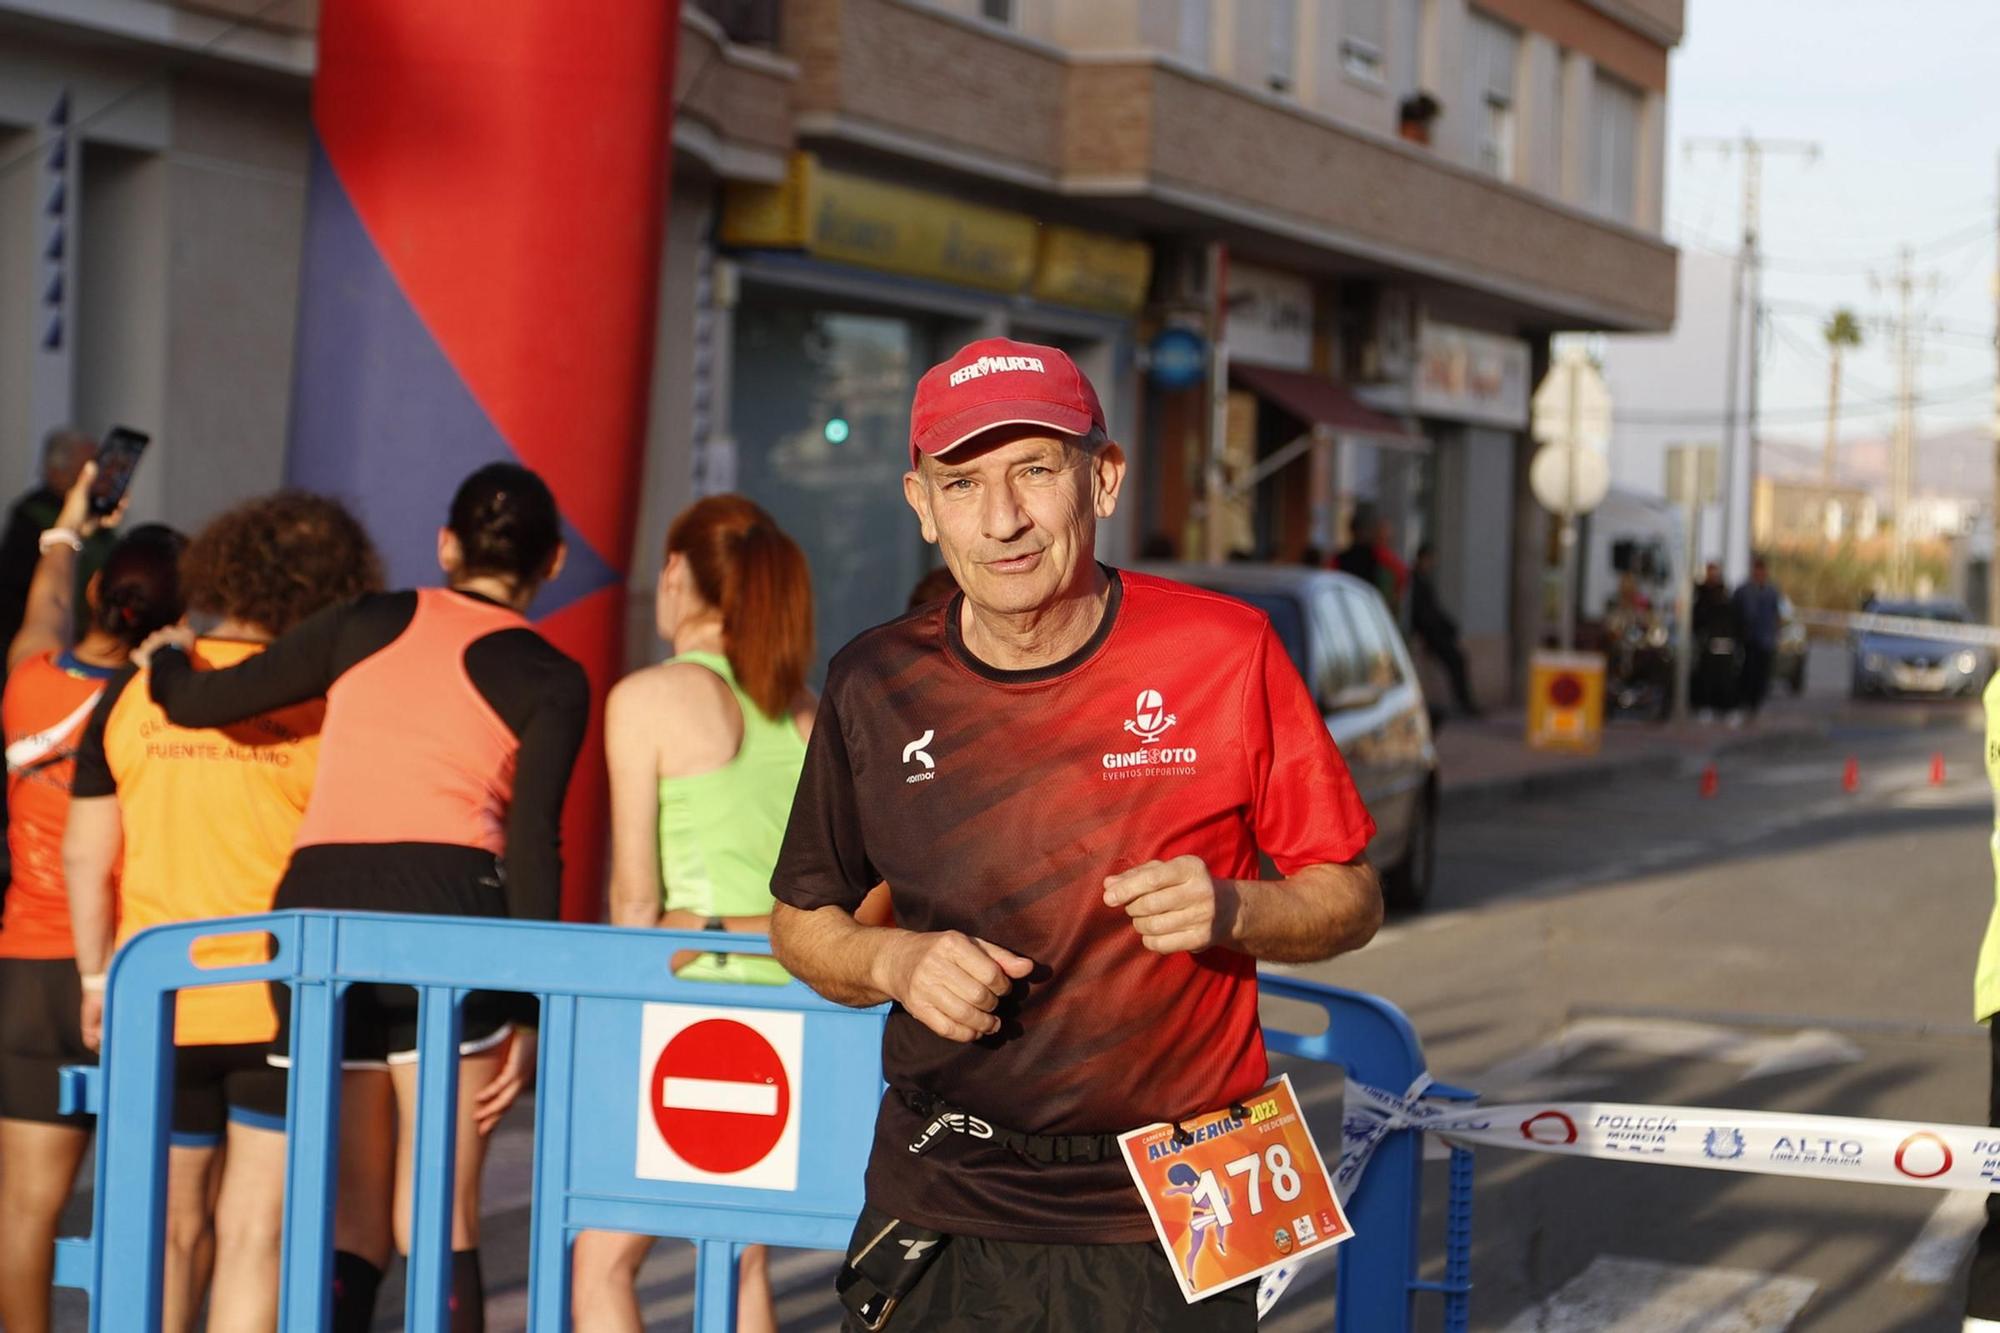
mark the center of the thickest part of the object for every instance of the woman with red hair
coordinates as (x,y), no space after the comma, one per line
(705,750)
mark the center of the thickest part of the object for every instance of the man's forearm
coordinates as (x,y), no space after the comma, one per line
(832,952)
(1318,913)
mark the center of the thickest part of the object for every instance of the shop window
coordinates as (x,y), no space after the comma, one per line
(1616,108)
(820,404)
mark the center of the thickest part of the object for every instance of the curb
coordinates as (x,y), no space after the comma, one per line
(1657,763)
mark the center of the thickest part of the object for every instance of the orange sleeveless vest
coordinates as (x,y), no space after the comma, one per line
(411,751)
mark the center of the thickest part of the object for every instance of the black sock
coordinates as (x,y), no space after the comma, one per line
(468,1293)
(355,1282)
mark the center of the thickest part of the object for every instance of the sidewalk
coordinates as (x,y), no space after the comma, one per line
(1489,759)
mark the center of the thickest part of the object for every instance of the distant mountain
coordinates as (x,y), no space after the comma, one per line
(1957,463)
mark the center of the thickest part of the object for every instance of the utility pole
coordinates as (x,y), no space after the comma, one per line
(1902,464)
(1748,274)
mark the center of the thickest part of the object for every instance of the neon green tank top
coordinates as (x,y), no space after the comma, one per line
(1986,983)
(720,831)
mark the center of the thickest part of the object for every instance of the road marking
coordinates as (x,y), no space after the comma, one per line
(1933,1257)
(1527,1074)
(1641,1296)
(719,1094)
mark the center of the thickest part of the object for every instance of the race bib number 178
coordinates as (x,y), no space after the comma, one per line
(1234,1197)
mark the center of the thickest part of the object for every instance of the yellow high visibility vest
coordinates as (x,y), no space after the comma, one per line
(1986,985)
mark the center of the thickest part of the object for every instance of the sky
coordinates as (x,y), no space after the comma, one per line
(1900,99)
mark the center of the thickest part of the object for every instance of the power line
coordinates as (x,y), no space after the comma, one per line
(1955,394)
(1830,267)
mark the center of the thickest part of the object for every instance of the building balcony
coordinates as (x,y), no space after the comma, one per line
(1177,149)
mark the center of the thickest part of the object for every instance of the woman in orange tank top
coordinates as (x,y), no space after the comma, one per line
(52,687)
(451,729)
(200,824)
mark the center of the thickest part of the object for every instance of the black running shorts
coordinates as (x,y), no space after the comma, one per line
(41,1030)
(999,1286)
(214,1085)
(380,1026)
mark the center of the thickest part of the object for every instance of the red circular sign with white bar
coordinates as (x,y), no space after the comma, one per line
(720,1096)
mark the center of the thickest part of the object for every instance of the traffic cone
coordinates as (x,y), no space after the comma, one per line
(1850,777)
(1709,783)
(1937,769)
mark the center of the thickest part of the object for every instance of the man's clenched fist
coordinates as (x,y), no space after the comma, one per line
(949,982)
(1175,905)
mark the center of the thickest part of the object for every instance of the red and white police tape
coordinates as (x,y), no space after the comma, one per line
(1772,1143)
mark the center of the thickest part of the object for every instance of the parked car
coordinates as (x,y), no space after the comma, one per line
(1884,663)
(1340,635)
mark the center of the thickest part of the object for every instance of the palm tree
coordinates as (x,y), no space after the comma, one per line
(1842,332)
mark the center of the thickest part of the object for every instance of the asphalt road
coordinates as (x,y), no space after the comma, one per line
(1632,942)
(1628,942)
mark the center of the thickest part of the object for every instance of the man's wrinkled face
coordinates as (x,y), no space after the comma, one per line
(1015,513)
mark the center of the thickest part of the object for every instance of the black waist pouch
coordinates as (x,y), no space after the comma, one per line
(885,1261)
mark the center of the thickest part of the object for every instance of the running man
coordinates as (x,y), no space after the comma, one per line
(1066,775)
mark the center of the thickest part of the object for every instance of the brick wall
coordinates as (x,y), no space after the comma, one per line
(739,102)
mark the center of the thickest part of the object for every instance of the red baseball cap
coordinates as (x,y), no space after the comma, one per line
(999,382)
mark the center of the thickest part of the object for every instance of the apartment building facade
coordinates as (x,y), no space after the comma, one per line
(1405,196)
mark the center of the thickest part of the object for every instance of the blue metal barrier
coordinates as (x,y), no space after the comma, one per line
(604,992)
(727,1114)
(1377,1284)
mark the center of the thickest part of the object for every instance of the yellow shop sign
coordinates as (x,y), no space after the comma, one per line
(856,220)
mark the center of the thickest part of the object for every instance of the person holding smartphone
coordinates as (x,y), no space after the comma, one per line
(451,729)
(53,683)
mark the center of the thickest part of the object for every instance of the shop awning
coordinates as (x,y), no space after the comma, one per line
(1319,401)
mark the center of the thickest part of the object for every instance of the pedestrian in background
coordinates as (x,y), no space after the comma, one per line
(1437,631)
(1368,558)
(1712,683)
(1758,617)
(52,687)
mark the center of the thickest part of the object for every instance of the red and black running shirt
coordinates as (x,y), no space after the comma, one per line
(996,803)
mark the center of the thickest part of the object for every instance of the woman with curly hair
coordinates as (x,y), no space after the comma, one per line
(203,821)
(53,685)
(451,730)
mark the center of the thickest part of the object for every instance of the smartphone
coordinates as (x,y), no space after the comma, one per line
(116,458)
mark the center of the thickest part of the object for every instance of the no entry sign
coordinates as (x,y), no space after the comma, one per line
(719,1096)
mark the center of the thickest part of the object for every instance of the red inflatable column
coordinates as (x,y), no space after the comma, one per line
(482,249)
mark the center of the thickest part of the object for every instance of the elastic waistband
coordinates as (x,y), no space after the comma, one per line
(1046,1149)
